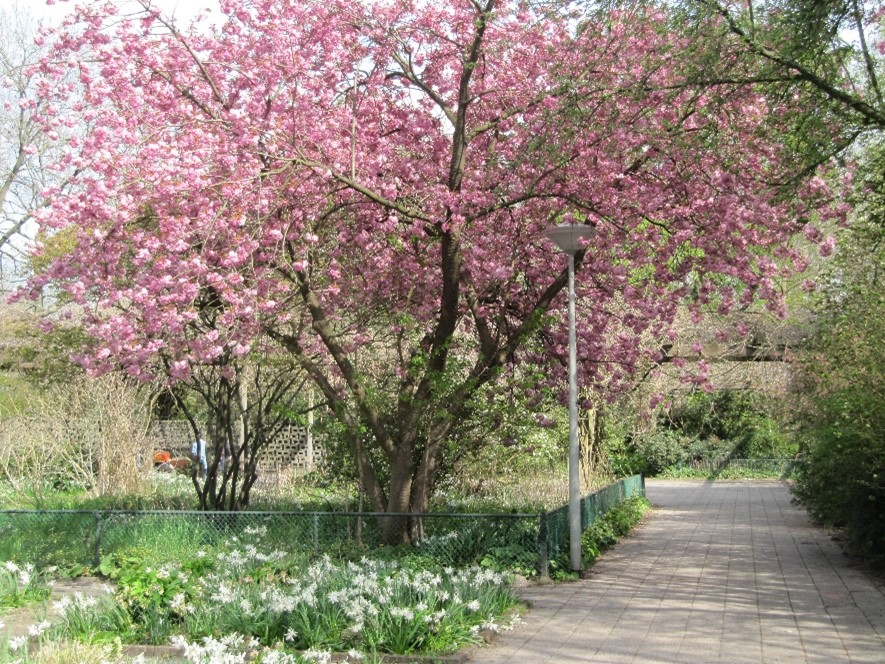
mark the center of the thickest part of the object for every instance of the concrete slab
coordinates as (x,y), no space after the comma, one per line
(719,572)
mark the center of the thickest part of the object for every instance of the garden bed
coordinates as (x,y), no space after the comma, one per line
(240,598)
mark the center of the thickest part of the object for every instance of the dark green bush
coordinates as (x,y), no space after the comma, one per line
(841,476)
(705,428)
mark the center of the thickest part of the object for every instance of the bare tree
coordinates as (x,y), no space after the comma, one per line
(24,146)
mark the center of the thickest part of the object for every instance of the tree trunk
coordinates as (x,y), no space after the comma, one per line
(424,483)
(592,457)
(394,529)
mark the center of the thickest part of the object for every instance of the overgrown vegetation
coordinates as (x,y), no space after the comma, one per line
(84,435)
(701,433)
(841,474)
(602,535)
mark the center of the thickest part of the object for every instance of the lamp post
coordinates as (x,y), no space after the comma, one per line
(571,238)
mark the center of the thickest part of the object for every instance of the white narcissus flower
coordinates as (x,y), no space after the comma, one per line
(38,629)
(318,656)
(17,642)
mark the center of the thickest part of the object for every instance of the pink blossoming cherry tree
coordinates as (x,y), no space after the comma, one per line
(343,179)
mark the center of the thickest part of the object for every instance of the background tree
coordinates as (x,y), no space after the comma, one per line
(25,149)
(244,403)
(344,179)
(825,49)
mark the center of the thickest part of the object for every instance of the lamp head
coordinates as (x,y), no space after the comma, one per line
(570,238)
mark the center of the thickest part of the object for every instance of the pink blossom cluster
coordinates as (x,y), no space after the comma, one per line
(313,165)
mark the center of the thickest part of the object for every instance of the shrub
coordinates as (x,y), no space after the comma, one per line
(705,428)
(607,531)
(603,534)
(841,474)
(85,434)
(840,477)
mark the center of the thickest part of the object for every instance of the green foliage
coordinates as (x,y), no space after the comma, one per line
(624,457)
(607,531)
(20,585)
(705,429)
(841,474)
(602,535)
(804,55)
(512,557)
(32,360)
(146,591)
(95,620)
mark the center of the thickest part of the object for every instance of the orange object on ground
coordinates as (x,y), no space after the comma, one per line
(162,456)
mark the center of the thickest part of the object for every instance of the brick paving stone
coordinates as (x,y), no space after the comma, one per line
(719,572)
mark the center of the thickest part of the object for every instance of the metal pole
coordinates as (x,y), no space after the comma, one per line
(574,485)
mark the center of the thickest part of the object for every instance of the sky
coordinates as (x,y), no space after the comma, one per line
(183,10)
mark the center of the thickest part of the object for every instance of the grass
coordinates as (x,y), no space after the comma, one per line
(744,469)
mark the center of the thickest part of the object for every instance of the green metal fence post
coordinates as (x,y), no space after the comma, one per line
(543,547)
(96,547)
(316,533)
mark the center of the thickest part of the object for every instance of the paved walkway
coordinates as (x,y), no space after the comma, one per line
(719,572)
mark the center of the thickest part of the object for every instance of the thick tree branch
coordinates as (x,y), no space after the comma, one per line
(870,114)
(323,328)
(868,59)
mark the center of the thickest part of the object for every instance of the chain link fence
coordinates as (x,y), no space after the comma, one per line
(554,526)
(768,467)
(70,538)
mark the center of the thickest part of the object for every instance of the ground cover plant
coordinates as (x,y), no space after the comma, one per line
(603,534)
(273,599)
(20,585)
